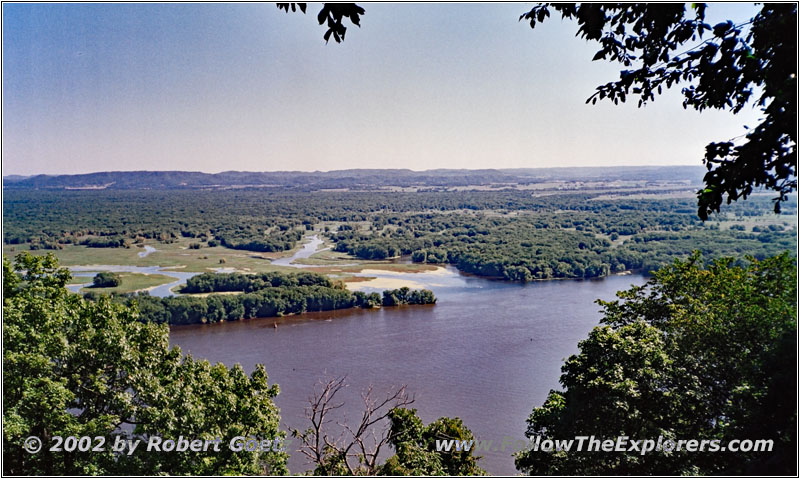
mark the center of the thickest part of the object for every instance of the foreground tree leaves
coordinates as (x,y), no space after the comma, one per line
(695,354)
(89,368)
(415,447)
(331,15)
(722,67)
(339,449)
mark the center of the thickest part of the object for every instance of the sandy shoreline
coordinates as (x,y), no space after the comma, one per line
(384,283)
(382,279)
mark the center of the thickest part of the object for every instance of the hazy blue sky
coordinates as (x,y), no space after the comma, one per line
(215,87)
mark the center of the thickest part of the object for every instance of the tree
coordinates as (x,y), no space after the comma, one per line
(694,354)
(355,451)
(106,279)
(357,448)
(416,451)
(74,367)
(723,71)
(331,14)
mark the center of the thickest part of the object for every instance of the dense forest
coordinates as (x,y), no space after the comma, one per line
(698,352)
(513,234)
(262,296)
(510,234)
(570,244)
(676,345)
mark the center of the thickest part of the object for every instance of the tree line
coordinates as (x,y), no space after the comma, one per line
(666,361)
(698,352)
(69,217)
(262,296)
(566,244)
(506,234)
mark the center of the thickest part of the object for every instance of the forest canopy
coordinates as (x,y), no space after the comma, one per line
(725,66)
(696,353)
(510,234)
(74,367)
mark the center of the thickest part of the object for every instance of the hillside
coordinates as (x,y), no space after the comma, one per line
(352,179)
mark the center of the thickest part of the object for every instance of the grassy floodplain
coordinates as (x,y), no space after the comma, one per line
(177,254)
(556,232)
(131,283)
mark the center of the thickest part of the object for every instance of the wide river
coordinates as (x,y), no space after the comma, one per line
(487,352)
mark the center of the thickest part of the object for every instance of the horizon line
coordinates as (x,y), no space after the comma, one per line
(359,169)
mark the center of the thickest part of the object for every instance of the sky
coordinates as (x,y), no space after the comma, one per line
(216,87)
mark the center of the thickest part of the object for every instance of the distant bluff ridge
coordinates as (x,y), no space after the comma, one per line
(353,178)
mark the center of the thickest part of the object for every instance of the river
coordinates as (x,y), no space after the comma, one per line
(309,248)
(160,291)
(487,352)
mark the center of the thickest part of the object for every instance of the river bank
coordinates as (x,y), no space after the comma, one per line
(488,352)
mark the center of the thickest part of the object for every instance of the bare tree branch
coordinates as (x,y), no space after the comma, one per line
(357,448)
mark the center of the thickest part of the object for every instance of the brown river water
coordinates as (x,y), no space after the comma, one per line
(487,352)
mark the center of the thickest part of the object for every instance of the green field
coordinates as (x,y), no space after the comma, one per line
(80,280)
(503,234)
(177,254)
(131,282)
